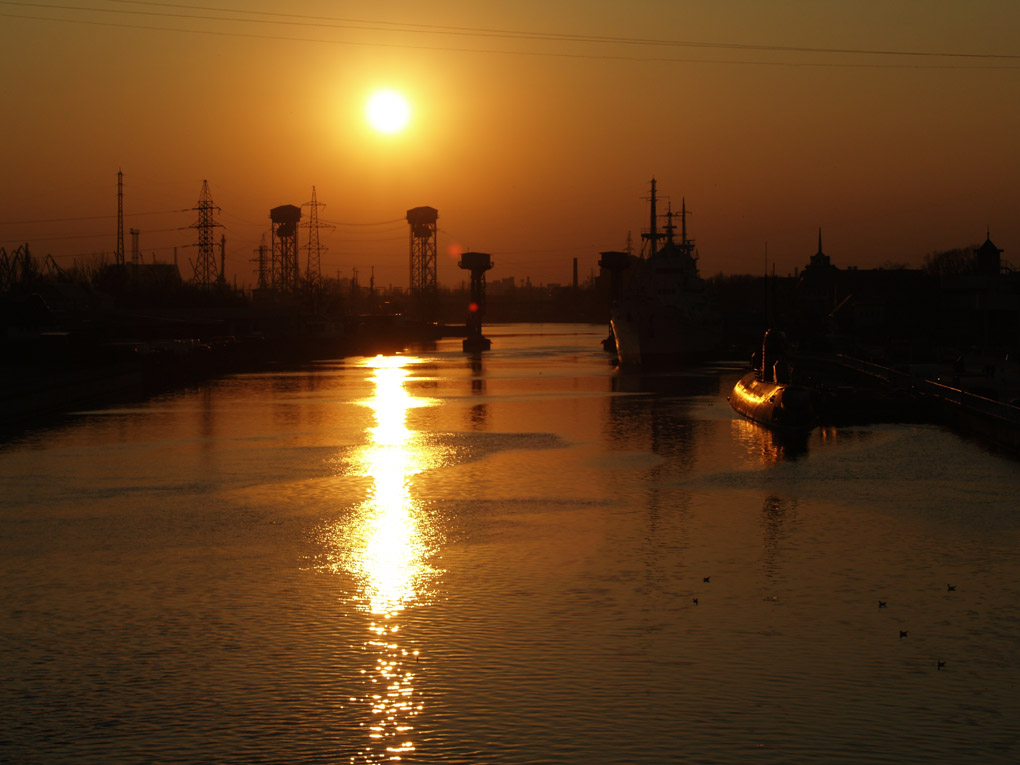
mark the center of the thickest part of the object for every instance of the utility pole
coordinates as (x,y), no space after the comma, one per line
(264,270)
(223,259)
(120,219)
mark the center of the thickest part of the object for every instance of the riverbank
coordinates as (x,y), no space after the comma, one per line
(49,373)
(979,404)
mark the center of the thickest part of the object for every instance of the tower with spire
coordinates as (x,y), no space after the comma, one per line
(820,259)
(987,257)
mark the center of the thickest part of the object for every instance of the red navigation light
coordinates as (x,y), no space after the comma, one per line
(473,307)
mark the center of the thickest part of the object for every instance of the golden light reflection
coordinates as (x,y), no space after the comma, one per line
(391,547)
(385,547)
(767,446)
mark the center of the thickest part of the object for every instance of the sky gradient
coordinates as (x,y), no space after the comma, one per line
(535,128)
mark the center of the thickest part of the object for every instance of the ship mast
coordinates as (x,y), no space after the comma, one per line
(686,245)
(683,222)
(670,228)
(653,233)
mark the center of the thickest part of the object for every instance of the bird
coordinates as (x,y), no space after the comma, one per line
(940,664)
(903,633)
(950,587)
(881,604)
(706,578)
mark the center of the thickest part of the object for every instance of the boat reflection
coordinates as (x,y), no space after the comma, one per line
(386,548)
(479,412)
(766,445)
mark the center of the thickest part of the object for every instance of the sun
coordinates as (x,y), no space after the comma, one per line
(388,111)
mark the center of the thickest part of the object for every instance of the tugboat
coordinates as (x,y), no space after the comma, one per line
(767,394)
(661,315)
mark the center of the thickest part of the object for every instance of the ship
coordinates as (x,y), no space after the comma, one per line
(660,313)
(768,394)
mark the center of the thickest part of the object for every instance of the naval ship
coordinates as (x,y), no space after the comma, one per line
(660,313)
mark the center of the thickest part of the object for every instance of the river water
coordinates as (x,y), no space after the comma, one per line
(521,557)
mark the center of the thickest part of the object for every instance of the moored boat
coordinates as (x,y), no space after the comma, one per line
(661,314)
(767,394)
(779,406)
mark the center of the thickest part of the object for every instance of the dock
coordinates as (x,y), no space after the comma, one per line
(993,421)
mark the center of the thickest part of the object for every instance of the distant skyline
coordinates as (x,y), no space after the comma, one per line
(534,128)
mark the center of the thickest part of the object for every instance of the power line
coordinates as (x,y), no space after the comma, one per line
(377,25)
(479,32)
(245,221)
(557,36)
(377,223)
(83,236)
(375,239)
(86,217)
(69,255)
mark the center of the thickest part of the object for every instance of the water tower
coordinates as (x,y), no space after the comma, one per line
(477,263)
(423,282)
(285,274)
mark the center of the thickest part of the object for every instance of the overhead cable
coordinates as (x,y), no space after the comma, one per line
(508,34)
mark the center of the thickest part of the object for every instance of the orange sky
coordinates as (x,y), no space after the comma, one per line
(534,150)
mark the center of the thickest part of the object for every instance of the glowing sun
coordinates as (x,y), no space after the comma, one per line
(388,111)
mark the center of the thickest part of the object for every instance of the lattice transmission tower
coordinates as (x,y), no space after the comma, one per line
(206,271)
(314,248)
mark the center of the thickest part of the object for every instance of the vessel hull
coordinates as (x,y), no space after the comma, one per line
(779,406)
(662,342)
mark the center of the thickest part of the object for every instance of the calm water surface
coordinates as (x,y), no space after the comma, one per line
(520,557)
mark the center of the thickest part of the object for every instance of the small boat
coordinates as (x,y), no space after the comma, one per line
(767,394)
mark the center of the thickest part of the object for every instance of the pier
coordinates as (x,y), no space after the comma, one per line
(927,392)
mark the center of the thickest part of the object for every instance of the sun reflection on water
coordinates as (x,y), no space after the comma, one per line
(391,546)
(385,546)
